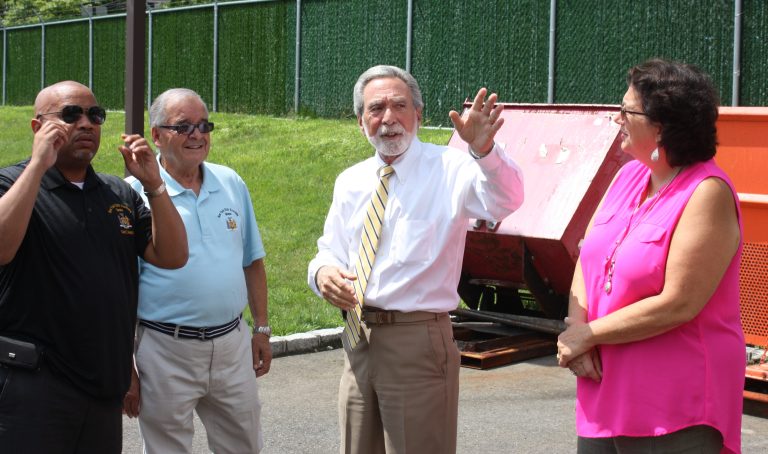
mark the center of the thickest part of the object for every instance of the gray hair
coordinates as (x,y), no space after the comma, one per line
(380,72)
(157,113)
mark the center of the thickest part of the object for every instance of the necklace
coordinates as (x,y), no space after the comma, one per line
(610,260)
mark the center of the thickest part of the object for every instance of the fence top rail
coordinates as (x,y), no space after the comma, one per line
(210,5)
(148,11)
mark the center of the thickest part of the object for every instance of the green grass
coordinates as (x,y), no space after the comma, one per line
(289,164)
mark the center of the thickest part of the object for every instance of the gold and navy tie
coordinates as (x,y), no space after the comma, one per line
(369,242)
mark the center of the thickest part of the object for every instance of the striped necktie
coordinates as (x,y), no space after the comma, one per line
(369,242)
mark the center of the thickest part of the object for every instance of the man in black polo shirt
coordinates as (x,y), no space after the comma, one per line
(69,242)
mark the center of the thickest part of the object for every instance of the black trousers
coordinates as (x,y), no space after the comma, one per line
(691,440)
(40,413)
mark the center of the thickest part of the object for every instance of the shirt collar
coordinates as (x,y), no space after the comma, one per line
(53,179)
(210,182)
(405,164)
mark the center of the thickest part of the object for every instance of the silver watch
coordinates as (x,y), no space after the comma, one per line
(262,330)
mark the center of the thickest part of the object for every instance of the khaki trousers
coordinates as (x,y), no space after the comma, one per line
(213,377)
(399,390)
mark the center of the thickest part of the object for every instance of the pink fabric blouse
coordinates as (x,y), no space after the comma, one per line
(691,375)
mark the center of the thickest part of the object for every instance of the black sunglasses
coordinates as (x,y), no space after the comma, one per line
(624,112)
(71,114)
(187,128)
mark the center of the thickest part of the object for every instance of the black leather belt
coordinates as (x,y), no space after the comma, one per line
(190,332)
(375,316)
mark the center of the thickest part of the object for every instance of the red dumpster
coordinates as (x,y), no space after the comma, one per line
(524,263)
(569,154)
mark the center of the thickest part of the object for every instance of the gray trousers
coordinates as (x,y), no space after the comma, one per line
(213,377)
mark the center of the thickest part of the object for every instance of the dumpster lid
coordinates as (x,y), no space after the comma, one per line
(560,149)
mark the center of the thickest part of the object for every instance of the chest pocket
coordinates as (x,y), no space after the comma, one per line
(603,217)
(412,241)
(650,233)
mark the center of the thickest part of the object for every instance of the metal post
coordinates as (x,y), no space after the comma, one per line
(552,36)
(42,55)
(409,37)
(149,59)
(5,59)
(736,84)
(215,54)
(134,67)
(90,48)
(297,77)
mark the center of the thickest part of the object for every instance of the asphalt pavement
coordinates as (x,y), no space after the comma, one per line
(527,407)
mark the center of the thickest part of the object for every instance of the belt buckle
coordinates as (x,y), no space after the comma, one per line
(384,318)
(201,333)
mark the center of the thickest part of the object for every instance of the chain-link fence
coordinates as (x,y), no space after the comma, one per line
(241,56)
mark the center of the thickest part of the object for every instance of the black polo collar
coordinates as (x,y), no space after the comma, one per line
(53,179)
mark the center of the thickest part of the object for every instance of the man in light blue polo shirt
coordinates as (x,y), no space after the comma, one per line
(193,350)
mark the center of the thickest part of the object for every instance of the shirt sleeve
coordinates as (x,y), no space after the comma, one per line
(142,217)
(333,246)
(495,191)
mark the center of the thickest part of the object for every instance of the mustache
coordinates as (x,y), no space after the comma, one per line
(392,129)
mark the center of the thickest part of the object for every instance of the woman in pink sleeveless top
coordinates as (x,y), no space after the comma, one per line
(654,332)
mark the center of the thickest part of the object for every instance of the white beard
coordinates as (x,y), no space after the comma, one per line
(391,147)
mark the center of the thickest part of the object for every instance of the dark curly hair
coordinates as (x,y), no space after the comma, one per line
(683,100)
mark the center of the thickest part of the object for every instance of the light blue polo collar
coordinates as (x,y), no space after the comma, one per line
(210,182)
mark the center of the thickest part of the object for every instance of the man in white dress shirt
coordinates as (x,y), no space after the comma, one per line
(400,384)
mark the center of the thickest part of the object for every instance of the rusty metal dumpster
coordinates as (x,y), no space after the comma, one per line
(569,155)
(523,265)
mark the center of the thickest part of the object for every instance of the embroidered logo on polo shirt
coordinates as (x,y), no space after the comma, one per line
(123,216)
(229,215)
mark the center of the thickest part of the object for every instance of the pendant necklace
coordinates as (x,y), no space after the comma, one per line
(610,260)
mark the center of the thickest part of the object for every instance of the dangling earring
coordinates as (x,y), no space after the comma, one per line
(655,155)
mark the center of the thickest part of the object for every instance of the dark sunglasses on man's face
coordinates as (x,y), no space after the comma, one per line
(71,114)
(187,128)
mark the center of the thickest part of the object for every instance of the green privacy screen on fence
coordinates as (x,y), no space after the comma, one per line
(457,47)
(182,54)
(256,58)
(23,66)
(341,39)
(754,71)
(598,42)
(109,62)
(500,45)
(66,53)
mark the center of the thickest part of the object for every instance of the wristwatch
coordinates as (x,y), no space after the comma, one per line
(262,330)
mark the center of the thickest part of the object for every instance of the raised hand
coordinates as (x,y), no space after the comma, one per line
(48,140)
(480,123)
(140,161)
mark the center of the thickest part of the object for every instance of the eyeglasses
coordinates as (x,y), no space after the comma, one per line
(624,112)
(71,114)
(187,128)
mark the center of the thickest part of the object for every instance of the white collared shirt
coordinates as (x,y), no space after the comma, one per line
(432,195)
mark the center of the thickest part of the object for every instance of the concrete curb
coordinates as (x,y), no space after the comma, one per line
(312,341)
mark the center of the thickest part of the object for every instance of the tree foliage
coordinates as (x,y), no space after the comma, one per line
(22,12)
(19,12)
